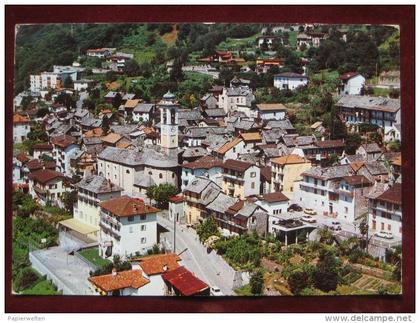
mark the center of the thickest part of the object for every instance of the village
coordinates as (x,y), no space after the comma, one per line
(241,167)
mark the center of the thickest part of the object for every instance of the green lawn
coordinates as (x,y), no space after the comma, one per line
(43,287)
(234,43)
(92,255)
(380,92)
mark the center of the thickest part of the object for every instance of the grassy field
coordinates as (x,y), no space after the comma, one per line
(234,43)
(43,287)
(92,255)
(325,75)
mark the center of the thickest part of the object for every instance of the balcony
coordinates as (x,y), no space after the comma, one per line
(233,177)
(110,231)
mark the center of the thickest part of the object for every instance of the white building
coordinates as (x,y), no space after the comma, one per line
(206,166)
(274,203)
(385,212)
(176,209)
(351,83)
(35,83)
(143,112)
(234,97)
(290,81)
(64,147)
(271,111)
(46,185)
(334,191)
(127,226)
(82,85)
(21,128)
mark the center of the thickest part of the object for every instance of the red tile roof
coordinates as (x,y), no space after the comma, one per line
(338,143)
(177,199)
(35,164)
(126,206)
(184,281)
(237,165)
(393,195)
(63,141)
(275,197)
(22,158)
(120,280)
(205,162)
(154,265)
(44,176)
(348,76)
(289,159)
(43,146)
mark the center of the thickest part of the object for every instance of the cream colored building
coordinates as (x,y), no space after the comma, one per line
(241,179)
(287,170)
(91,191)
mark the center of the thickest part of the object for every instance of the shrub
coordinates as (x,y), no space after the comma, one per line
(298,280)
(25,279)
(257,282)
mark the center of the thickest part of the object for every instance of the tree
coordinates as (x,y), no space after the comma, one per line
(105,124)
(176,74)
(161,193)
(326,275)
(110,76)
(207,229)
(69,199)
(116,101)
(298,280)
(68,82)
(132,68)
(257,282)
(42,112)
(352,142)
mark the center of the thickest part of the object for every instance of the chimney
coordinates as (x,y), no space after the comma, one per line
(114,272)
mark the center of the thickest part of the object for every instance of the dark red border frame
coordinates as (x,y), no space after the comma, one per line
(396,15)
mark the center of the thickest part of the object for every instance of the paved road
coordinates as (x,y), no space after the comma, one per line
(209,267)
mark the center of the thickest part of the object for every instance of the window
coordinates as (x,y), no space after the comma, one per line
(160,175)
(253,174)
(130,218)
(143,227)
(127,171)
(253,185)
(173,175)
(143,217)
(143,240)
(346,210)
(150,172)
(131,230)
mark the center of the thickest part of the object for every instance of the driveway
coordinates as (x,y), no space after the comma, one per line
(209,267)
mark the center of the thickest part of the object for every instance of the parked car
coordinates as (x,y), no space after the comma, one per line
(309,211)
(294,207)
(335,226)
(215,291)
(308,218)
(385,235)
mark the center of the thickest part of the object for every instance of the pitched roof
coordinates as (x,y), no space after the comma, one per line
(376,103)
(392,195)
(288,160)
(275,197)
(237,165)
(338,143)
(20,119)
(63,141)
(126,206)
(251,136)
(154,265)
(44,146)
(347,76)
(184,281)
(120,280)
(35,164)
(229,145)
(98,184)
(44,176)
(131,104)
(96,132)
(357,180)
(205,162)
(291,75)
(266,174)
(111,138)
(271,107)
(371,147)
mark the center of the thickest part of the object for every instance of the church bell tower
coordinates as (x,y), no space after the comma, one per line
(169,121)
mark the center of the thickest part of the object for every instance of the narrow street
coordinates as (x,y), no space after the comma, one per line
(209,267)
